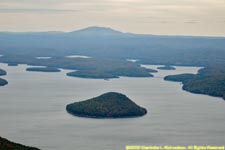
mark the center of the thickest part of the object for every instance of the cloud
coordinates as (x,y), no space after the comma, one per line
(35,10)
(141,16)
(191,21)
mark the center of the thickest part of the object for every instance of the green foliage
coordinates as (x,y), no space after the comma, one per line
(166,67)
(8,145)
(179,78)
(2,72)
(43,69)
(132,72)
(107,74)
(108,105)
(94,74)
(3,82)
(12,64)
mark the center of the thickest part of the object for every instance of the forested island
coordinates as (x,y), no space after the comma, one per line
(12,64)
(3,72)
(180,77)
(3,81)
(108,105)
(8,145)
(166,67)
(102,68)
(210,81)
(43,69)
(108,74)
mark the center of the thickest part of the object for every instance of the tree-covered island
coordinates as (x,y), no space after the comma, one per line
(108,105)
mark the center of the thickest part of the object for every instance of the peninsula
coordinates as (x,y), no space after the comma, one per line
(209,81)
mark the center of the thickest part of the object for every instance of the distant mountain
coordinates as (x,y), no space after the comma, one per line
(97,31)
(109,49)
(108,43)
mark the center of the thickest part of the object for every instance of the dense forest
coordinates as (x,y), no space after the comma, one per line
(8,145)
(180,78)
(88,68)
(108,105)
(210,81)
(107,74)
(43,69)
(2,72)
(3,81)
(166,67)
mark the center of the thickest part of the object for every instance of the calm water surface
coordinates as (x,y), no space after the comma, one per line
(32,112)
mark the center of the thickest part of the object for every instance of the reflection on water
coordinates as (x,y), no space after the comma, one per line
(43,57)
(132,60)
(77,56)
(32,111)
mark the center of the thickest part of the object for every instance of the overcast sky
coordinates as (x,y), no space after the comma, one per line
(173,17)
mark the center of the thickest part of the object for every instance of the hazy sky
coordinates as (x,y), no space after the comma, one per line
(186,17)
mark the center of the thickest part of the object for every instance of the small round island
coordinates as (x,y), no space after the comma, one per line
(166,67)
(108,105)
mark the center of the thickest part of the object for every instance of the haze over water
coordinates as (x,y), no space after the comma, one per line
(32,111)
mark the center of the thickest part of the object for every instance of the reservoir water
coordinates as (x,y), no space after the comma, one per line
(32,112)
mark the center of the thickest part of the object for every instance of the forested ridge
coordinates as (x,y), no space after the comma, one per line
(8,145)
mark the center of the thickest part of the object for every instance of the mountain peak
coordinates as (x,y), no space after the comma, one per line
(95,30)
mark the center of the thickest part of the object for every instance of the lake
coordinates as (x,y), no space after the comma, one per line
(32,112)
